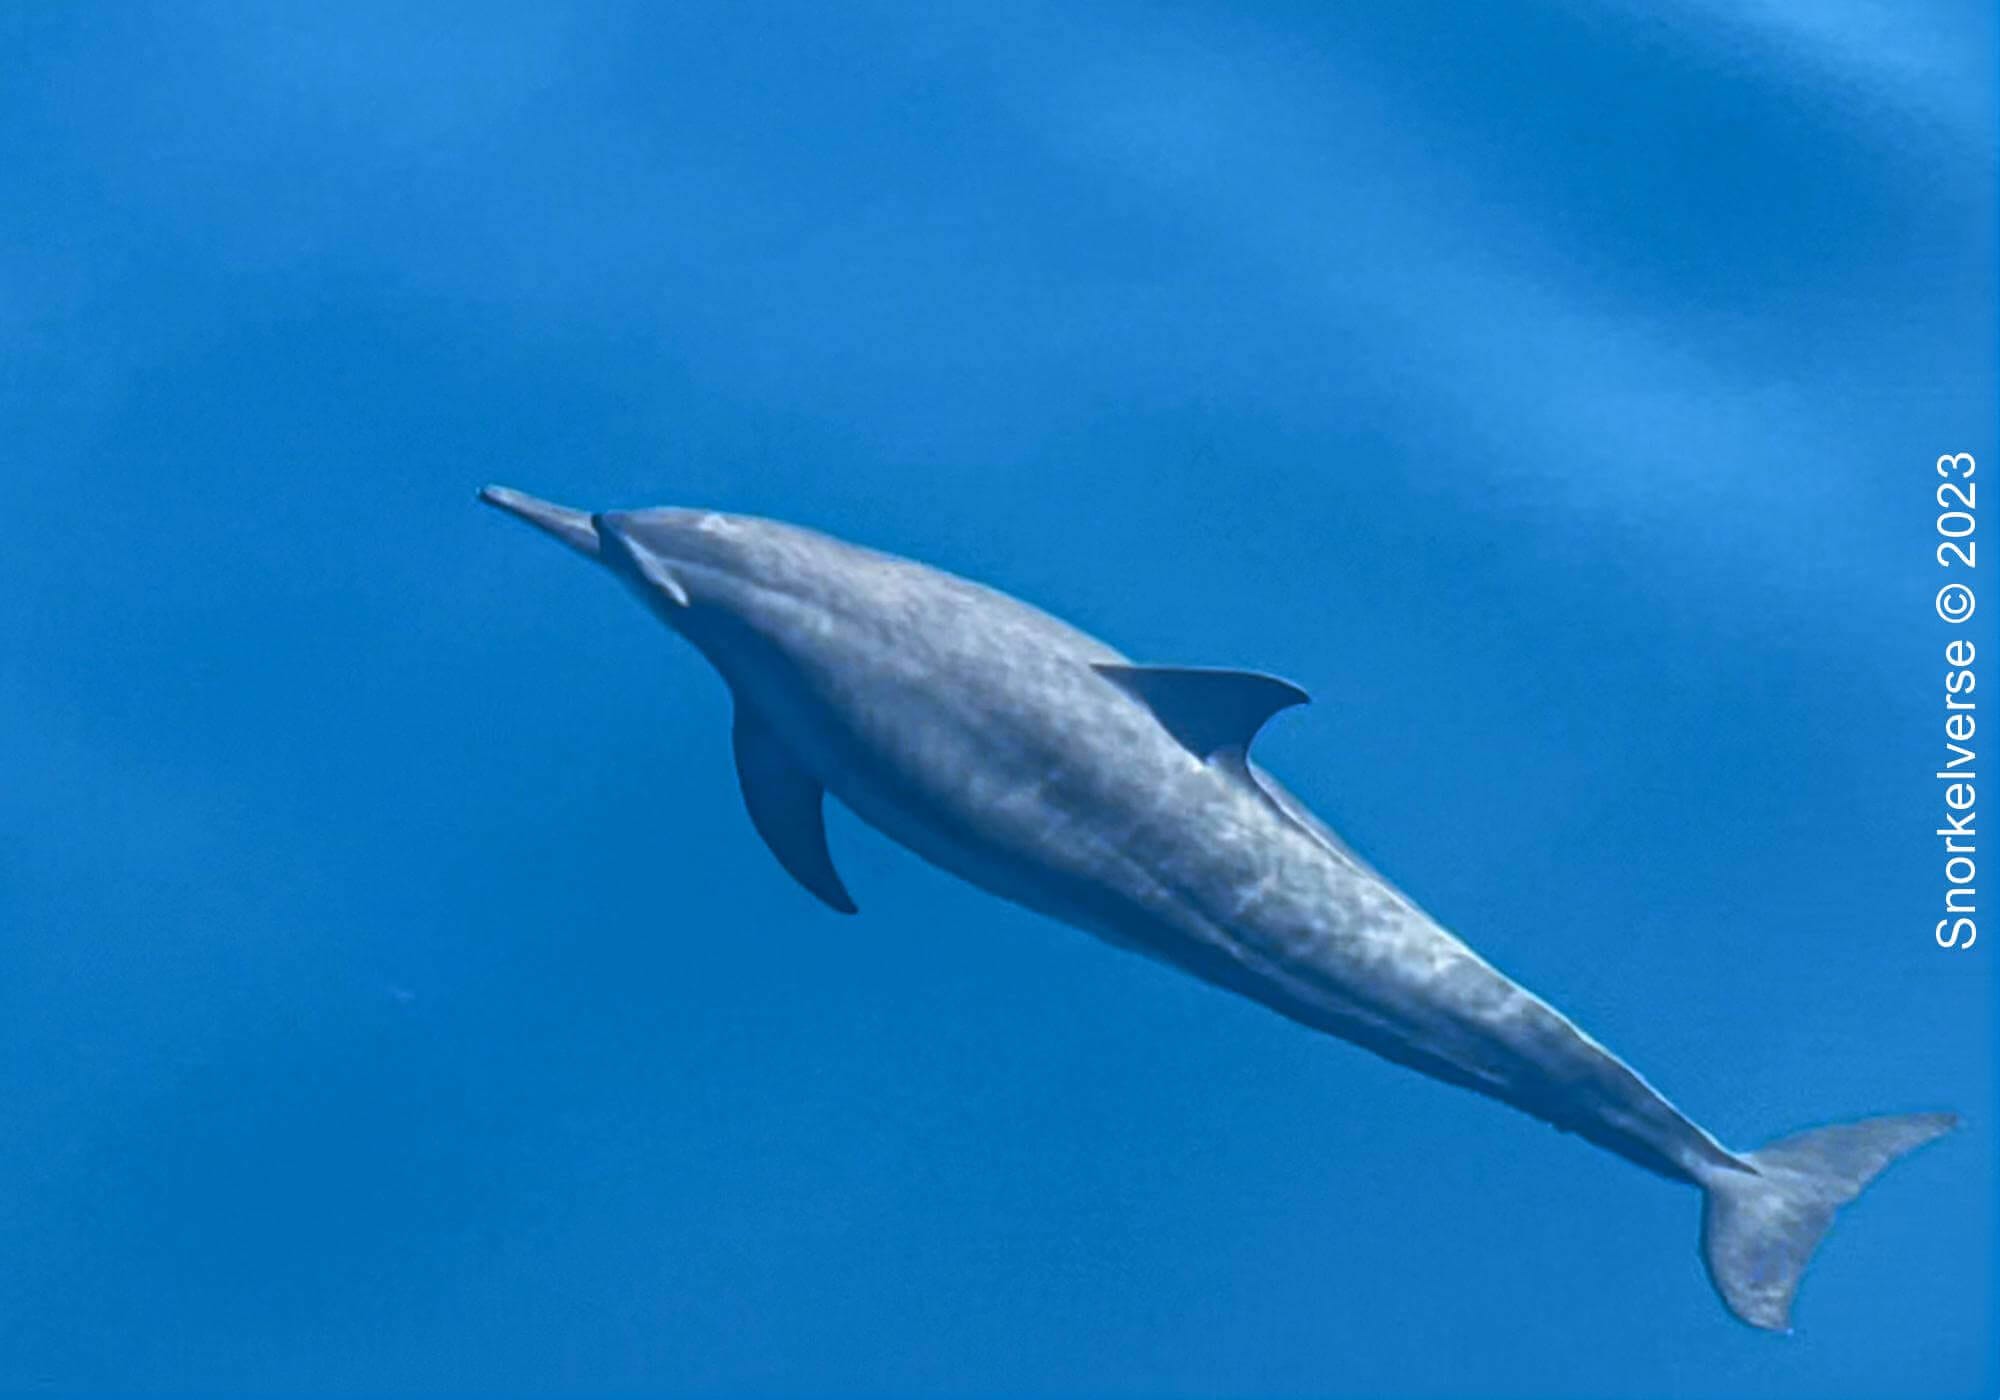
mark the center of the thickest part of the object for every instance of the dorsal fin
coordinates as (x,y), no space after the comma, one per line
(1212,711)
(786,806)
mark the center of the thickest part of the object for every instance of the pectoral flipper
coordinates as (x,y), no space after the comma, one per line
(787,806)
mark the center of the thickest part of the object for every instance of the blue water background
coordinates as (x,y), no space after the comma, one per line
(392,991)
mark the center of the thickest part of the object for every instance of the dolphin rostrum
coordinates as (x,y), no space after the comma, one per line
(1039,764)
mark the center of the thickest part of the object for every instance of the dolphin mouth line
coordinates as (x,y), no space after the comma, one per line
(572,527)
(626,554)
(601,537)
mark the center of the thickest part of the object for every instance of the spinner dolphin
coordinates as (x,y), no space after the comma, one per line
(1041,765)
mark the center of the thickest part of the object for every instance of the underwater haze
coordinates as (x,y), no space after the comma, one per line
(393,992)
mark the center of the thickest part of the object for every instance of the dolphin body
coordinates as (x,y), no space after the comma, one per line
(1036,762)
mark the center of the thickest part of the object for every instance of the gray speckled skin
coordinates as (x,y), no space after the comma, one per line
(972,729)
(983,735)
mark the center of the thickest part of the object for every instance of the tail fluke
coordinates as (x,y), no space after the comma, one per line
(1759,1228)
